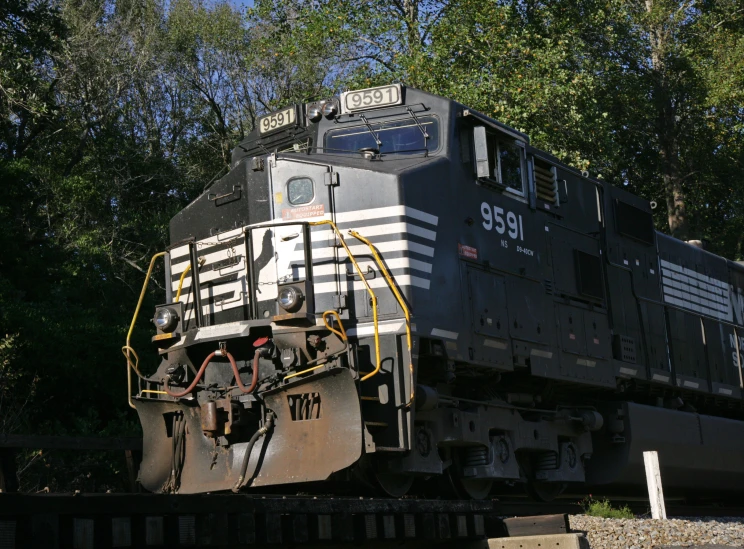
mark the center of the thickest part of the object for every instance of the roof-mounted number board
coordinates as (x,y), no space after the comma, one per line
(372,98)
(277,120)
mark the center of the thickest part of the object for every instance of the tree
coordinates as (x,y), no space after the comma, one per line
(646,95)
(683,142)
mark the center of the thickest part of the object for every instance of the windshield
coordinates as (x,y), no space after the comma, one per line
(399,136)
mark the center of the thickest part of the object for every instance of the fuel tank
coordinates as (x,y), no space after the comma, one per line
(696,452)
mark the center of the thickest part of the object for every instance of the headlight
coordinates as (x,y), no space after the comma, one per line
(290,298)
(329,109)
(314,114)
(165,319)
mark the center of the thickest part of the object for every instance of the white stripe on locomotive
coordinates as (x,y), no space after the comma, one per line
(267,276)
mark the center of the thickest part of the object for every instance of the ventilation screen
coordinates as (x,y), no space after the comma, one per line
(634,222)
(588,275)
(545,182)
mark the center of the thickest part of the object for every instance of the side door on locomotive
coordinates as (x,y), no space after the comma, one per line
(504,258)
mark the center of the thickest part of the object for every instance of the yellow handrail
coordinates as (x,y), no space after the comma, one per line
(180,281)
(398,297)
(369,290)
(127,349)
(342,333)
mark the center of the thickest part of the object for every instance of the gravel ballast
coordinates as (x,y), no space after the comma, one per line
(648,533)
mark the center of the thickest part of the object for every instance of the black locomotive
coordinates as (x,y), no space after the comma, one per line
(390,286)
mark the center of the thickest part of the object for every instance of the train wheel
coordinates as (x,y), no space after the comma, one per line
(395,485)
(544,491)
(472,488)
(468,488)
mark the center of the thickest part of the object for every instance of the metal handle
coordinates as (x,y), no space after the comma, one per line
(223,301)
(213,197)
(369,275)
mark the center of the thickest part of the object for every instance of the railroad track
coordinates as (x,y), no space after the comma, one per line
(87,521)
(93,521)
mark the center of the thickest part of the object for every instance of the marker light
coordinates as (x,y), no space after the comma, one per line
(165,319)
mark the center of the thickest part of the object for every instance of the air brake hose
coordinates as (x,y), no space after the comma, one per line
(254,379)
(247,457)
(200,373)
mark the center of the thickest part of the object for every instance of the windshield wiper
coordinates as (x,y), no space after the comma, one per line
(420,126)
(369,128)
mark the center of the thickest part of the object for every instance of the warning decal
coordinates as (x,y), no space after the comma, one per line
(314,210)
(467,251)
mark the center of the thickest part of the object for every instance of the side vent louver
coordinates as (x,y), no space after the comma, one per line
(546,182)
(624,348)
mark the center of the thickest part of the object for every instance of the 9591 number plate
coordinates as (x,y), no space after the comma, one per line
(277,120)
(372,98)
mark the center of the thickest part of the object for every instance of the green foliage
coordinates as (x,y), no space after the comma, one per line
(528,68)
(16,385)
(29,33)
(69,470)
(646,95)
(603,508)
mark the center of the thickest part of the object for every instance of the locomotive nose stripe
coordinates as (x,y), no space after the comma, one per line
(210,246)
(387,211)
(327,252)
(395,226)
(398,232)
(404,264)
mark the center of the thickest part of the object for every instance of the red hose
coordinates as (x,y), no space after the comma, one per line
(200,373)
(254,379)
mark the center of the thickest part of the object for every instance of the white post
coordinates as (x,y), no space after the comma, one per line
(653,479)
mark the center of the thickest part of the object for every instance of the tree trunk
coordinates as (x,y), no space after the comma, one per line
(660,37)
(673,190)
(410,9)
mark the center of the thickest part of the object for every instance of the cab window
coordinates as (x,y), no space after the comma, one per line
(402,136)
(300,191)
(499,161)
(509,167)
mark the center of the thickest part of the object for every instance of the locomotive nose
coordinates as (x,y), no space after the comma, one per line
(239,198)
